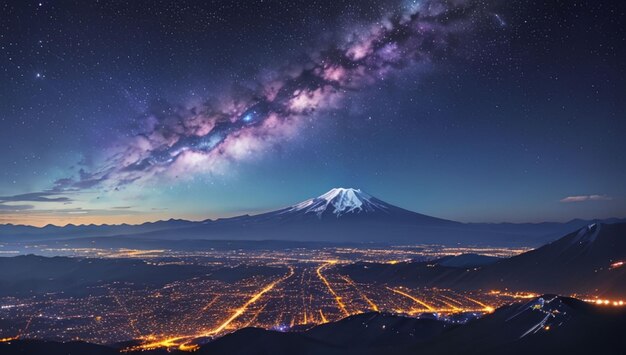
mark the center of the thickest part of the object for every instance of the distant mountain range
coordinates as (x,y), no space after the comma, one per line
(340,215)
(589,261)
(544,325)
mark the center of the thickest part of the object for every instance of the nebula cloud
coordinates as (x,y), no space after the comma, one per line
(187,140)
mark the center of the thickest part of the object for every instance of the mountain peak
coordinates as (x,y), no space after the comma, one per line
(345,193)
(587,234)
(340,201)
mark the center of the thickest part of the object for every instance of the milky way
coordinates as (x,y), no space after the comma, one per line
(206,138)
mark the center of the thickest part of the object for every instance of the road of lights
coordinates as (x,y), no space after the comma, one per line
(414,299)
(239,311)
(340,303)
(324,320)
(451,306)
(487,308)
(606,302)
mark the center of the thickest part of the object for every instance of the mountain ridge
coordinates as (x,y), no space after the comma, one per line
(587,261)
(339,215)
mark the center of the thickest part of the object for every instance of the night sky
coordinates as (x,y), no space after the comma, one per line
(483,111)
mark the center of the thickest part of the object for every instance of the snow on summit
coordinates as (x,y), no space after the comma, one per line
(340,201)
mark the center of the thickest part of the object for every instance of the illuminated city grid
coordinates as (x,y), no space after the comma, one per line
(306,289)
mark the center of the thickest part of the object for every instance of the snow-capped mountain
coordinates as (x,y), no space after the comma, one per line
(342,204)
(341,201)
(339,215)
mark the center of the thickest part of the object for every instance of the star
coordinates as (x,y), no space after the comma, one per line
(500,20)
(248,117)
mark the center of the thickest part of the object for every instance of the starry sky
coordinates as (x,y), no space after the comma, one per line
(478,111)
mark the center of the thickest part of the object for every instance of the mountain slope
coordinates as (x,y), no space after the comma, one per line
(588,261)
(544,325)
(580,262)
(468,260)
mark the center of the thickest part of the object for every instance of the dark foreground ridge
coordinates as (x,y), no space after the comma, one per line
(546,324)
